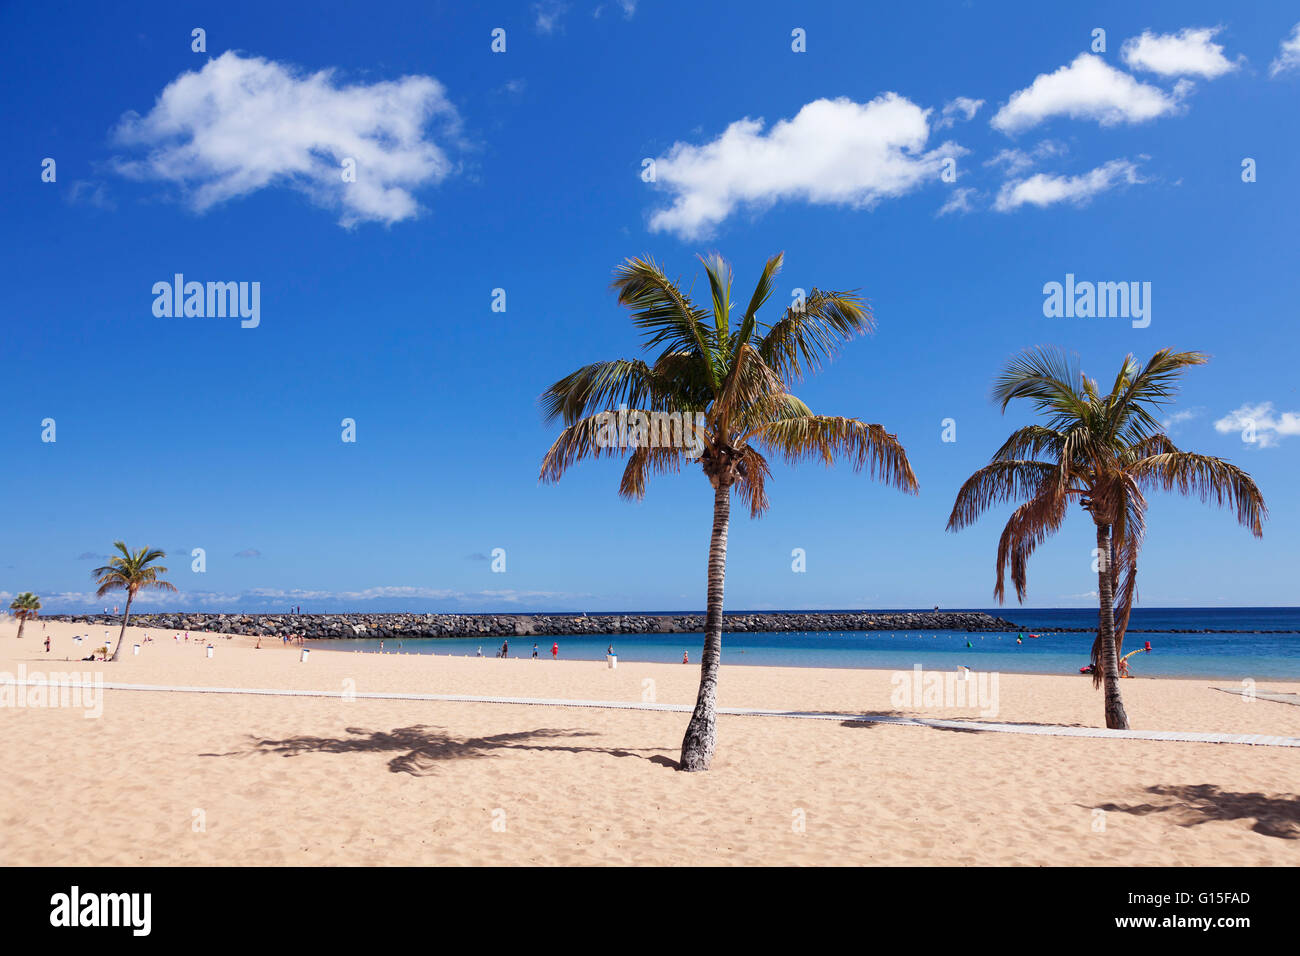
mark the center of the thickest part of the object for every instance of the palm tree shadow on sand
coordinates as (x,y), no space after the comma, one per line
(1204,803)
(419,749)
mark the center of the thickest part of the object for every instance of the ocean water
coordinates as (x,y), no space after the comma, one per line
(1236,654)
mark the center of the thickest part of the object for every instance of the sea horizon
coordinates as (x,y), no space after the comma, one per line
(1210,643)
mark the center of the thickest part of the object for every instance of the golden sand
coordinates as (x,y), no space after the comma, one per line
(222,779)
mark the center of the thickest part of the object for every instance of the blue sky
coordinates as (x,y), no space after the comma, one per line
(523,171)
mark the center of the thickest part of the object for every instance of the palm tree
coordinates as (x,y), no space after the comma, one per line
(1103,451)
(726,379)
(24,606)
(130,572)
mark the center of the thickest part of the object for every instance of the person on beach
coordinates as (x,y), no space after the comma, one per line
(534,652)
(505,648)
(609,651)
(47,644)
(555,651)
(686,657)
(480,652)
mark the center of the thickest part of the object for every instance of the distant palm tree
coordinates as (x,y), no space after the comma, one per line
(729,377)
(24,606)
(130,572)
(1103,450)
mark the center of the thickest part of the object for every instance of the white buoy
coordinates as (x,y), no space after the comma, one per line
(303,656)
(209,650)
(135,650)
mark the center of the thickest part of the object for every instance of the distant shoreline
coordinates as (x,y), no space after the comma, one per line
(398,625)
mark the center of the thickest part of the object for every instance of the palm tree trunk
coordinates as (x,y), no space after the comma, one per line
(122,634)
(22,622)
(1116,718)
(701,732)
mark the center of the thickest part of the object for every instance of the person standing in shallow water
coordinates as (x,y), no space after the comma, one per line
(534,652)
(555,651)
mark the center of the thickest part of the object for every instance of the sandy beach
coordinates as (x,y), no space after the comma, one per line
(237,779)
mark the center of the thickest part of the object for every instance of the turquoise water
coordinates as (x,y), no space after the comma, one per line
(1228,656)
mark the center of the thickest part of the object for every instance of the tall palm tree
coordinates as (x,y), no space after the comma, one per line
(1103,451)
(24,606)
(728,378)
(130,571)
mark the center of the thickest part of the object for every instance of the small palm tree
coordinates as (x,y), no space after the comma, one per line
(725,378)
(24,606)
(130,571)
(1103,451)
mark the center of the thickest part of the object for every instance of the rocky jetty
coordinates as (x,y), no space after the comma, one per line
(343,626)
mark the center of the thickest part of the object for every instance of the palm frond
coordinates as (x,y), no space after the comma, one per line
(751,483)
(645,461)
(762,292)
(719,273)
(1047,376)
(805,338)
(663,312)
(1210,479)
(997,483)
(1029,526)
(827,437)
(602,385)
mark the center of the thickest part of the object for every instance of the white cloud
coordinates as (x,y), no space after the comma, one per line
(959,201)
(1017,161)
(1267,426)
(1089,88)
(390,592)
(91,193)
(241,124)
(833,152)
(547,15)
(1288,56)
(1190,52)
(266,598)
(627,6)
(1176,419)
(962,106)
(1042,189)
